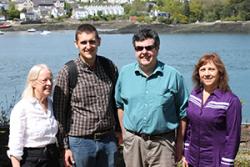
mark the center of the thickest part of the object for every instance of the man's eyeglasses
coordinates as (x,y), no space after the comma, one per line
(91,42)
(148,48)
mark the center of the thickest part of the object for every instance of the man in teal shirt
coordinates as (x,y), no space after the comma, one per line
(151,99)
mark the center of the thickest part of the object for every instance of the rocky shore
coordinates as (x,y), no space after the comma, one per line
(122,27)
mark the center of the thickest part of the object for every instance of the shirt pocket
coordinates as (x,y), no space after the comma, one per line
(167,97)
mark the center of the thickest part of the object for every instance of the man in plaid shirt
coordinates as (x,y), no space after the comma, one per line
(86,113)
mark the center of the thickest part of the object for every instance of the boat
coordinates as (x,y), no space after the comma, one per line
(1,32)
(45,32)
(106,29)
(4,25)
(31,30)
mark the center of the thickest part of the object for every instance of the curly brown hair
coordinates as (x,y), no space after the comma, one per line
(223,77)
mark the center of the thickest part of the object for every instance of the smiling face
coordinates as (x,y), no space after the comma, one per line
(43,84)
(87,43)
(146,53)
(209,76)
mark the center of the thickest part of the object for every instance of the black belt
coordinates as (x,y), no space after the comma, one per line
(48,151)
(151,136)
(98,135)
(47,147)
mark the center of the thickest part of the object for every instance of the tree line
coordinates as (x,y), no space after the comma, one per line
(190,11)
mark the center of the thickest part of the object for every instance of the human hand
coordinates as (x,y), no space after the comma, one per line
(184,162)
(119,137)
(68,158)
(14,161)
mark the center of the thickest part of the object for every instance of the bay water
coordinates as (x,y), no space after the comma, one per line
(19,51)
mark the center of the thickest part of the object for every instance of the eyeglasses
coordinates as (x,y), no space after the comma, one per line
(44,81)
(148,48)
(91,42)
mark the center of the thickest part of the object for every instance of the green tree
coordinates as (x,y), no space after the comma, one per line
(196,12)
(236,10)
(175,8)
(3,12)
(12,12)
(186,9)
(68,8)
(244,10)
(212,9)
(138,8)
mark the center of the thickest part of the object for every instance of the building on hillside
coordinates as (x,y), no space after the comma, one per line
(34,10)
(29,17)
(94,10)
(157,13)
(105,9)
(119,1)
(48,8)
(79,13)
(4,4)
(2,18)
(107,1)
(21,5)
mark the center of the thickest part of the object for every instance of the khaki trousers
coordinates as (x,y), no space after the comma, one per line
(159,152)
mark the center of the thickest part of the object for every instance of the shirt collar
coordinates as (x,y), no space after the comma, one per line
(82,63)
(32,100)
(158,70)
(217,92)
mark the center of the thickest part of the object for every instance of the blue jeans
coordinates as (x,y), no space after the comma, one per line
(94,153)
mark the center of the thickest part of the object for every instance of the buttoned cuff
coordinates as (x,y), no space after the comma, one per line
(9,154)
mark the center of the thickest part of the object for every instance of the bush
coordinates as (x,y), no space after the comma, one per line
(5,109)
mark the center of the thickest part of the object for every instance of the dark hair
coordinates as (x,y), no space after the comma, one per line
(223,77)
(146,33)
(88,28)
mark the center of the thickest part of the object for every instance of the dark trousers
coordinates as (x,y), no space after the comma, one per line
(41,157)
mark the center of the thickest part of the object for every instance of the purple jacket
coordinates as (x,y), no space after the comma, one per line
(213,133)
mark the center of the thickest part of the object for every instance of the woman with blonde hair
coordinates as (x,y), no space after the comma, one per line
(33,128)
(214,117)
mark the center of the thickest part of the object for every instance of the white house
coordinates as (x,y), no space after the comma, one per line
(79,13)
(105,9)
(108,1)
(24,4)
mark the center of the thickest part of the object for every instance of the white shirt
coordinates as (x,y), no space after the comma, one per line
(31,126)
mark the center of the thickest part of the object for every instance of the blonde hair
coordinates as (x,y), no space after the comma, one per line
(32,76)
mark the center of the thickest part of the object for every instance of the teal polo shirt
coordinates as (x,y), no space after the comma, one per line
(154,104)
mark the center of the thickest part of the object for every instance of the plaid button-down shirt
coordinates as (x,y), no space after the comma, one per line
(91,100)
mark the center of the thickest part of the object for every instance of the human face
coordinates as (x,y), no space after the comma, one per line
(209,76)
(43,84)
(146,53)
(87,43)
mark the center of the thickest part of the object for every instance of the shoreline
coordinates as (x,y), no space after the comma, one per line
(126,27)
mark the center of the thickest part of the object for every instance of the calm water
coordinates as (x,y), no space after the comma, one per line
(19,51)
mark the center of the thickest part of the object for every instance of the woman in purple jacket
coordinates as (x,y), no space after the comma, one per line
(214,116)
